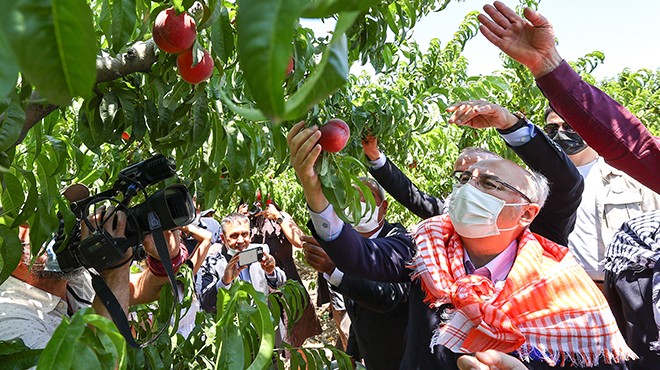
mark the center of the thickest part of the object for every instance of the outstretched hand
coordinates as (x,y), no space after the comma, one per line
(490,360)
(530,41)
(370,147)
(305,150)
(481,114)
(316,256)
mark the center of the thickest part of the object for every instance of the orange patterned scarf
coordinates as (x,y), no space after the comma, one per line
(548,302)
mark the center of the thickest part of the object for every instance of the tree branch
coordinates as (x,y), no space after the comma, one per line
(138,58)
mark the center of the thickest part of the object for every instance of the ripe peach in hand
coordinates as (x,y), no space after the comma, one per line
(199,73)
(174,33)
(334,135)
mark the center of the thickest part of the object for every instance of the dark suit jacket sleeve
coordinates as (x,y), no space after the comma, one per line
(405,192)
(380,259)
(557,217)
(376,296)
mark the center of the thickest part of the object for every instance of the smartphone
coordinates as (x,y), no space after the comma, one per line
(254,253)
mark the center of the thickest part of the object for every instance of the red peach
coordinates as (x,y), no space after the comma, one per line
(199,73)
(174,33)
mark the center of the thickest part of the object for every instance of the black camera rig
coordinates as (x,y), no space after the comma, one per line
(167,209)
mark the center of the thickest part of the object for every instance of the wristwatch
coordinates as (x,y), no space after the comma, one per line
(279,220)
(522,121)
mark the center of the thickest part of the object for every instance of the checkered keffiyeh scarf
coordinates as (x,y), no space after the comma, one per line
(548,303)
(636,247)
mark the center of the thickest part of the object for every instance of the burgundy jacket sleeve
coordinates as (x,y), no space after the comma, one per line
(608,127)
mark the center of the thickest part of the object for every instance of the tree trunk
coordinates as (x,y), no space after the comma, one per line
(138,58)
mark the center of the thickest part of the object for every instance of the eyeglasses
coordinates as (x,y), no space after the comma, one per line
(488,182)
(552,128)
(244,234)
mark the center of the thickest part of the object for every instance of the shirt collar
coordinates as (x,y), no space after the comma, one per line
(26,294)
(375,235)
(500,266)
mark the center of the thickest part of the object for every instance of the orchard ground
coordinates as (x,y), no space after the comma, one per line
(329,335)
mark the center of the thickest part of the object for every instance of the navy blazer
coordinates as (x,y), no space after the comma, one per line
(379,315)
(384,259)
(555,220)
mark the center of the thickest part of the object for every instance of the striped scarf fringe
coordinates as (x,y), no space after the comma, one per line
(547,309)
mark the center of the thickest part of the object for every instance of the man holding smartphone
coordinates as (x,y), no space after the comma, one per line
(238,259)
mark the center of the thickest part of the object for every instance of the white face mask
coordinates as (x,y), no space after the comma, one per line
(474,213)
(369,222)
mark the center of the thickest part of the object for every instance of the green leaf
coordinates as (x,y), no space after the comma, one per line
(12,195)
(10,252)
(124,19)
(15,355)
(59,352)
(9,70)
(31,200)
(265,32)
(327,8)
(232,354)
(250,114)
(12,124)
(201,128)
(55,45)
(329,75)
(222,36)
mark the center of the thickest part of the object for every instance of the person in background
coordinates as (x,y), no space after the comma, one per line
(632,286)
(221,270)
(378,311)
(279,231)
(604,124)
(610,198)
(540,153)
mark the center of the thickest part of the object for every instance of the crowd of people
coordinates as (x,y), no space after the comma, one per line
(553,266)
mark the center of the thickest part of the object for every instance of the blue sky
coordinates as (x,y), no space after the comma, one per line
(626,31)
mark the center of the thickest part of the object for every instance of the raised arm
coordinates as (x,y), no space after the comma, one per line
(608,127)
(399,186)
(383,260)
(556,219)
(203,238)
(289,227)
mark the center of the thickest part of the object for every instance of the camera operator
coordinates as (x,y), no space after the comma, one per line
(33,301)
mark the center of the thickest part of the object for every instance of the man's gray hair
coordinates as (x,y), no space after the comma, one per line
(373,182)
(233,218)
(470,150)
(539,189)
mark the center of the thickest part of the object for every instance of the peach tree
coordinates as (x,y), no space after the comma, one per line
(85,91)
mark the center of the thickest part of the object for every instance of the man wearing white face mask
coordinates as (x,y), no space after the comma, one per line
(378,311)
(496,284)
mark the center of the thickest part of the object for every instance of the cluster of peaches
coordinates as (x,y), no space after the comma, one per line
(176,34)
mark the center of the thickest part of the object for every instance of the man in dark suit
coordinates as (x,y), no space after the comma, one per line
(555,221)
(397,251)
(540,154)
(378,311)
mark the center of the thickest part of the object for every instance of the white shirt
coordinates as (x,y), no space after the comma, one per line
(29,313)
(583,240)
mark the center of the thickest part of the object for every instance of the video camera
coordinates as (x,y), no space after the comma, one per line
(256,208)
(167,209)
